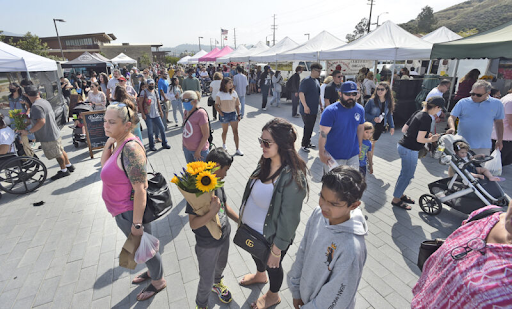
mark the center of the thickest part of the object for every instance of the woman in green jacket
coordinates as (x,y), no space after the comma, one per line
(273,201)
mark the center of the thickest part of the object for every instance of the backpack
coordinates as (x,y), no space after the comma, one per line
(210,138)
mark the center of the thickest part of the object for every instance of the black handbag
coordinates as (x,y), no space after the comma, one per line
(428,247)
(250,240)
(158,195)
(211,101)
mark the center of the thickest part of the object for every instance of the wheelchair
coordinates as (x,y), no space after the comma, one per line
(20,174)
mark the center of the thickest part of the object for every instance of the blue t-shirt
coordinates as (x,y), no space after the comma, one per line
(477,119)
(342,142)
(311,88)
(363,155)
(163,85)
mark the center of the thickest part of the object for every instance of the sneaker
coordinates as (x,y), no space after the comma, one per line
(239,153)
(311,146)
(225,147)
(223,292)
(71,168)
(304,149)
(264,108)
(166,146)
(296,116)
(60,174)
(152,148)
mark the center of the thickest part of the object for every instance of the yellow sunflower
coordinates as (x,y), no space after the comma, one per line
(210,165)
(206,181)
(194,168)
(175,180)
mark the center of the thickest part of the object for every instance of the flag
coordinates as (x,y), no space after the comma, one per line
(225,38)
(223,31)
(216,42)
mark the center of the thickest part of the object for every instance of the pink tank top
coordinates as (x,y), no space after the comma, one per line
(117,188)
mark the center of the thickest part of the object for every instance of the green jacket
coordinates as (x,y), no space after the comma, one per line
(283,214)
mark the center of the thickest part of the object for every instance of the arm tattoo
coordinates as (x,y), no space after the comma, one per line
(322,134)
(134,161)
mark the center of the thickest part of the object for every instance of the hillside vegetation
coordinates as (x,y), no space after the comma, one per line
(473,14)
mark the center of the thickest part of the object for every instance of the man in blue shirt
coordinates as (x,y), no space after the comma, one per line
(163,86)
(477,115)
(342,130)
(309,95)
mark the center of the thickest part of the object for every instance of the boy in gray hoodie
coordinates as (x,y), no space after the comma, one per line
(329,263)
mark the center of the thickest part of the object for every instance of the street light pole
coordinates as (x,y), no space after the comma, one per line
(58,37)
(200,42)
(378,18)
(307,35)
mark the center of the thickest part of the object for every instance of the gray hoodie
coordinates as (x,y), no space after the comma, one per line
(329,263)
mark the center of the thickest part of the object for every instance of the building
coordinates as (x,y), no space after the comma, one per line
(134,51)
(75,45)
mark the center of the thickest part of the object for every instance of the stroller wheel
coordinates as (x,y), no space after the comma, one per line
(430,204)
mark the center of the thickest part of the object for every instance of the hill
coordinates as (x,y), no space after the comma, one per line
(479,14)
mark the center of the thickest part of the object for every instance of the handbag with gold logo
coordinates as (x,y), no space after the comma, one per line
(250,240)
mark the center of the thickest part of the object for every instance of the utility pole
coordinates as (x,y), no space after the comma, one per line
(211,44)
(200,42)
(370,19)
(273,28)
(58,37)
(234,35)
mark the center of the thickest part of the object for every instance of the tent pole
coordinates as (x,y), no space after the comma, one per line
(392,75)
(452,87)
(375,70)
(429,67)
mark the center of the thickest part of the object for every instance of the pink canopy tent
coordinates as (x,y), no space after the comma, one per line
(213,56)
(212,52)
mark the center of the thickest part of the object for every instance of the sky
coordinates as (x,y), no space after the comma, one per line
(177,22)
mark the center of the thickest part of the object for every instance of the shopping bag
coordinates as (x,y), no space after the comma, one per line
(494,165)
(126,257)
(149,246)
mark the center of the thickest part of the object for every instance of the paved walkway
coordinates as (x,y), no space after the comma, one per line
(64,254)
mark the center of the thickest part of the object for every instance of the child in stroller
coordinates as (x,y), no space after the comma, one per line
(79,134)
(461,150)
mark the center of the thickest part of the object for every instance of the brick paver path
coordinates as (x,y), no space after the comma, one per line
(64,254)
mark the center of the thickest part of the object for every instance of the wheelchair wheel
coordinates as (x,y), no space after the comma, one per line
(19,175)
(430,204)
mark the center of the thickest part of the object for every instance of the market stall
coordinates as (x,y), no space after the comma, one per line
(310,50)
(256,49)
(89,62)
(270,55)
(122,58)
(239,51)
(213,56)
(195,58)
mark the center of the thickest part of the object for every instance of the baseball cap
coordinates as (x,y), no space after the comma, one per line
(437,101)
(151,81)
(121,78)
(349,86)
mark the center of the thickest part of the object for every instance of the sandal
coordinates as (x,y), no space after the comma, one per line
(247,283)
(407,199)
(255,305)
(401,204)
(144,276)
(150,288)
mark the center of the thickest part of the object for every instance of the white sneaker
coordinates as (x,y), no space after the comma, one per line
(264,108)
(239,152)
(225,147)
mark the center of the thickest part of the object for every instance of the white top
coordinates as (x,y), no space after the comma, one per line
(322,93)
(276,81)
(215,87)
(99,100)
(203,74)
(368,86)
(7,136)
(172,92)
(434,93)
(112,84)
(257,205)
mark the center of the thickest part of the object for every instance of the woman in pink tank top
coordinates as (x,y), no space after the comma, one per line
(124,191)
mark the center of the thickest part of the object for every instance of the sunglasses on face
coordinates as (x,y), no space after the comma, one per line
(338,76)
(477,94)
(266,143)
(381,89)
(187,100)
(351,94)
(127,109)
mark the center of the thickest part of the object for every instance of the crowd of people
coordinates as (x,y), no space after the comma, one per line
(353,116)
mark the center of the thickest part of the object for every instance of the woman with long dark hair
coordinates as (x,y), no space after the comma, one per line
(466,84)
(228,107)
(265,84)
(103,83)
(97,98)
(272,203)
(379,110)
(174,95)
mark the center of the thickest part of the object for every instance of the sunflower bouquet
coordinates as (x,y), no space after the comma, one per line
(20,118)
(197,183)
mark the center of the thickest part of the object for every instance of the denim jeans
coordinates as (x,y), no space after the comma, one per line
(276,98)
(157,121)
(189,154)
(264,95)
(242,105)
(177,106)
(295,103)
(409,163)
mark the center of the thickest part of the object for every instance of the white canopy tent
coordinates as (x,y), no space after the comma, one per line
(122,58)
(270,55)
(441,35)
(184,60)
(388,42)
(239,51)
(256,49)
(309,51)
(13,59)
(194,59)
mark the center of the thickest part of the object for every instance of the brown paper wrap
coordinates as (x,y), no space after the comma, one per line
(201,206)
(127,255)
(26,146)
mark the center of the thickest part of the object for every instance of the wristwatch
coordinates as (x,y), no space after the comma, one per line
(137,226)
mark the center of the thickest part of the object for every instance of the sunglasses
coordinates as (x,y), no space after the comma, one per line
(381,89)
(351,94)
(339,76)
(127,109)
(187,100)
(476,94)
(266,143)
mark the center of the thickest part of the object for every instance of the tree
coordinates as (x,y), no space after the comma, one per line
(466,33)
(171,59)
(33,44)
(361,28)
(144,59)
(426,20)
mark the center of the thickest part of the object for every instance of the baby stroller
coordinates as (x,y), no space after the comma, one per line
(205,86)
(78,136)
(462,192)
(20,173)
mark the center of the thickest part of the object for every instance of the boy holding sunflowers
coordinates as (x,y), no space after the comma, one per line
(212,254)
